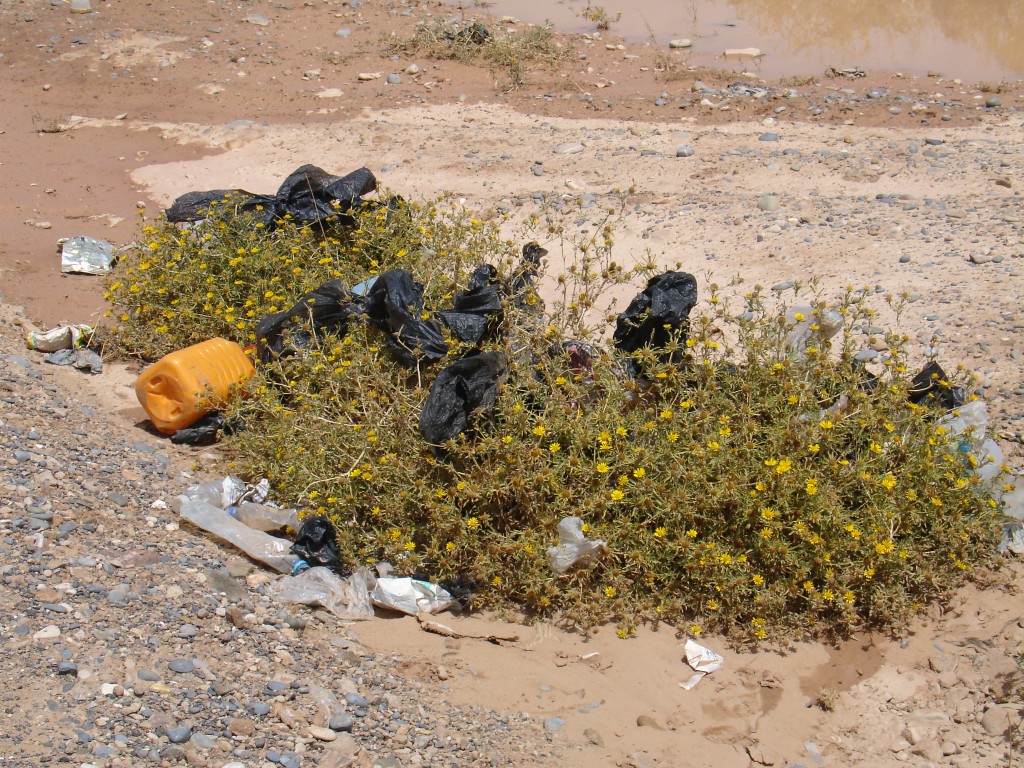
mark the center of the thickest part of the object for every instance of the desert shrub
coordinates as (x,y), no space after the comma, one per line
(509,53)
(739,487)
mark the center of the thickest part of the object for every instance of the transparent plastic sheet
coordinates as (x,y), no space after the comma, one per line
(574,548)
(703,661)
(347,598)
(264,517)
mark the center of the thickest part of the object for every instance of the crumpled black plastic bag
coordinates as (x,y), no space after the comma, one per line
(309,195)
(326,309)
(658,314)
(476,310)
(317,544)
(395,305)
(206,430)
(926,389)
(526,272)
(462,391)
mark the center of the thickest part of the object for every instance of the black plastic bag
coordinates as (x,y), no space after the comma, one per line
(395,305)
(462,391)
(476,310)
(326,309)
(309,195)
(658,315)
(317,544)
(926,388)
(526,272)
(206,430)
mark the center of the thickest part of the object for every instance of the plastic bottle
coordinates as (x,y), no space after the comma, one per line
(269,550)
(182,387)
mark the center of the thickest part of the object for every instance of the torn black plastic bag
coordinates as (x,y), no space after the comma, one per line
(461,392)
(526,273)
(326,309)
(206,430)
(476,310)
(932,387)
(658,315)
(395,305)
(309,195)
(317,544)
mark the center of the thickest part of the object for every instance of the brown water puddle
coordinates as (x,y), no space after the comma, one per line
(975,40)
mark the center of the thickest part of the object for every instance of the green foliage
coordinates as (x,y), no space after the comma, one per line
(740,487)
(509,53)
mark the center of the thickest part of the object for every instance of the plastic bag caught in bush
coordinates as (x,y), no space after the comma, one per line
(309,195)
(477,309)
(465,389)
(327,309)
(658,315)
(394,303)
(347,598)
(317,544)
(574,548)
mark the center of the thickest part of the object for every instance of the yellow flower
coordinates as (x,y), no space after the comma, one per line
(666,414)
(889,482)
(692,533)
(884,547)
(660,532)
(875,447)
(813,447)
(825,424)
(560,380)
(811,487)
(506,439)
(784,466)
(672,437)
(601,467)
(609,591)
(409,546)
(639,472)
(555,447)
(767,513)
(695,630)
(771,462)
(472,523)
(496,581)
(712,604)
(713,445)
(758,579)
(869,573)
(450,546)
(539,430)
(617,495)
(621,431)
(767,533)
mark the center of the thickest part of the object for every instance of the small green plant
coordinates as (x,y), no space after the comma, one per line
(508,53)
(600,17)
(739,487)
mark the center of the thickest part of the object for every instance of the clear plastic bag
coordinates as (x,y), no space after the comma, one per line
(411,596)
(574,548)
(345,598)
(269,550)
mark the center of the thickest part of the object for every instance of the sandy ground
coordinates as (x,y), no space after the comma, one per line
(897,185)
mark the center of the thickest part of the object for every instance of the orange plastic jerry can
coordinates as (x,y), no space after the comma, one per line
(180,388)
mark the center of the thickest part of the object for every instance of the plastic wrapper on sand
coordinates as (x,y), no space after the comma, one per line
(574,548)
(411,596)
(702,660)
(346,598)
(87,256)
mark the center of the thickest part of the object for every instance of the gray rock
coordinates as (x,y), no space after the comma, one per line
(993,101)
(553,724)
(202,741)
(258,708)
(394,79)
(179,735)
(680,43)
(355,700)
(343,32)
(768,137)
(1000,718)
(67,668)
(904,258)
(181,666)
(341,722)
(187,630)
(117,596)
(537,170)
(148,675)
(779,287)
(769,203)
(684,151)
(934,142)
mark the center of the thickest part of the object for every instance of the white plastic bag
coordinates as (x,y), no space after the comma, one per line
(410,596)
(345,598)
(574,548)
(703,661)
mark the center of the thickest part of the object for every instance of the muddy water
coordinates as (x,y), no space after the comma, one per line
(976,40)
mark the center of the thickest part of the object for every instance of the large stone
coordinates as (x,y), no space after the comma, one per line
(1000,718)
